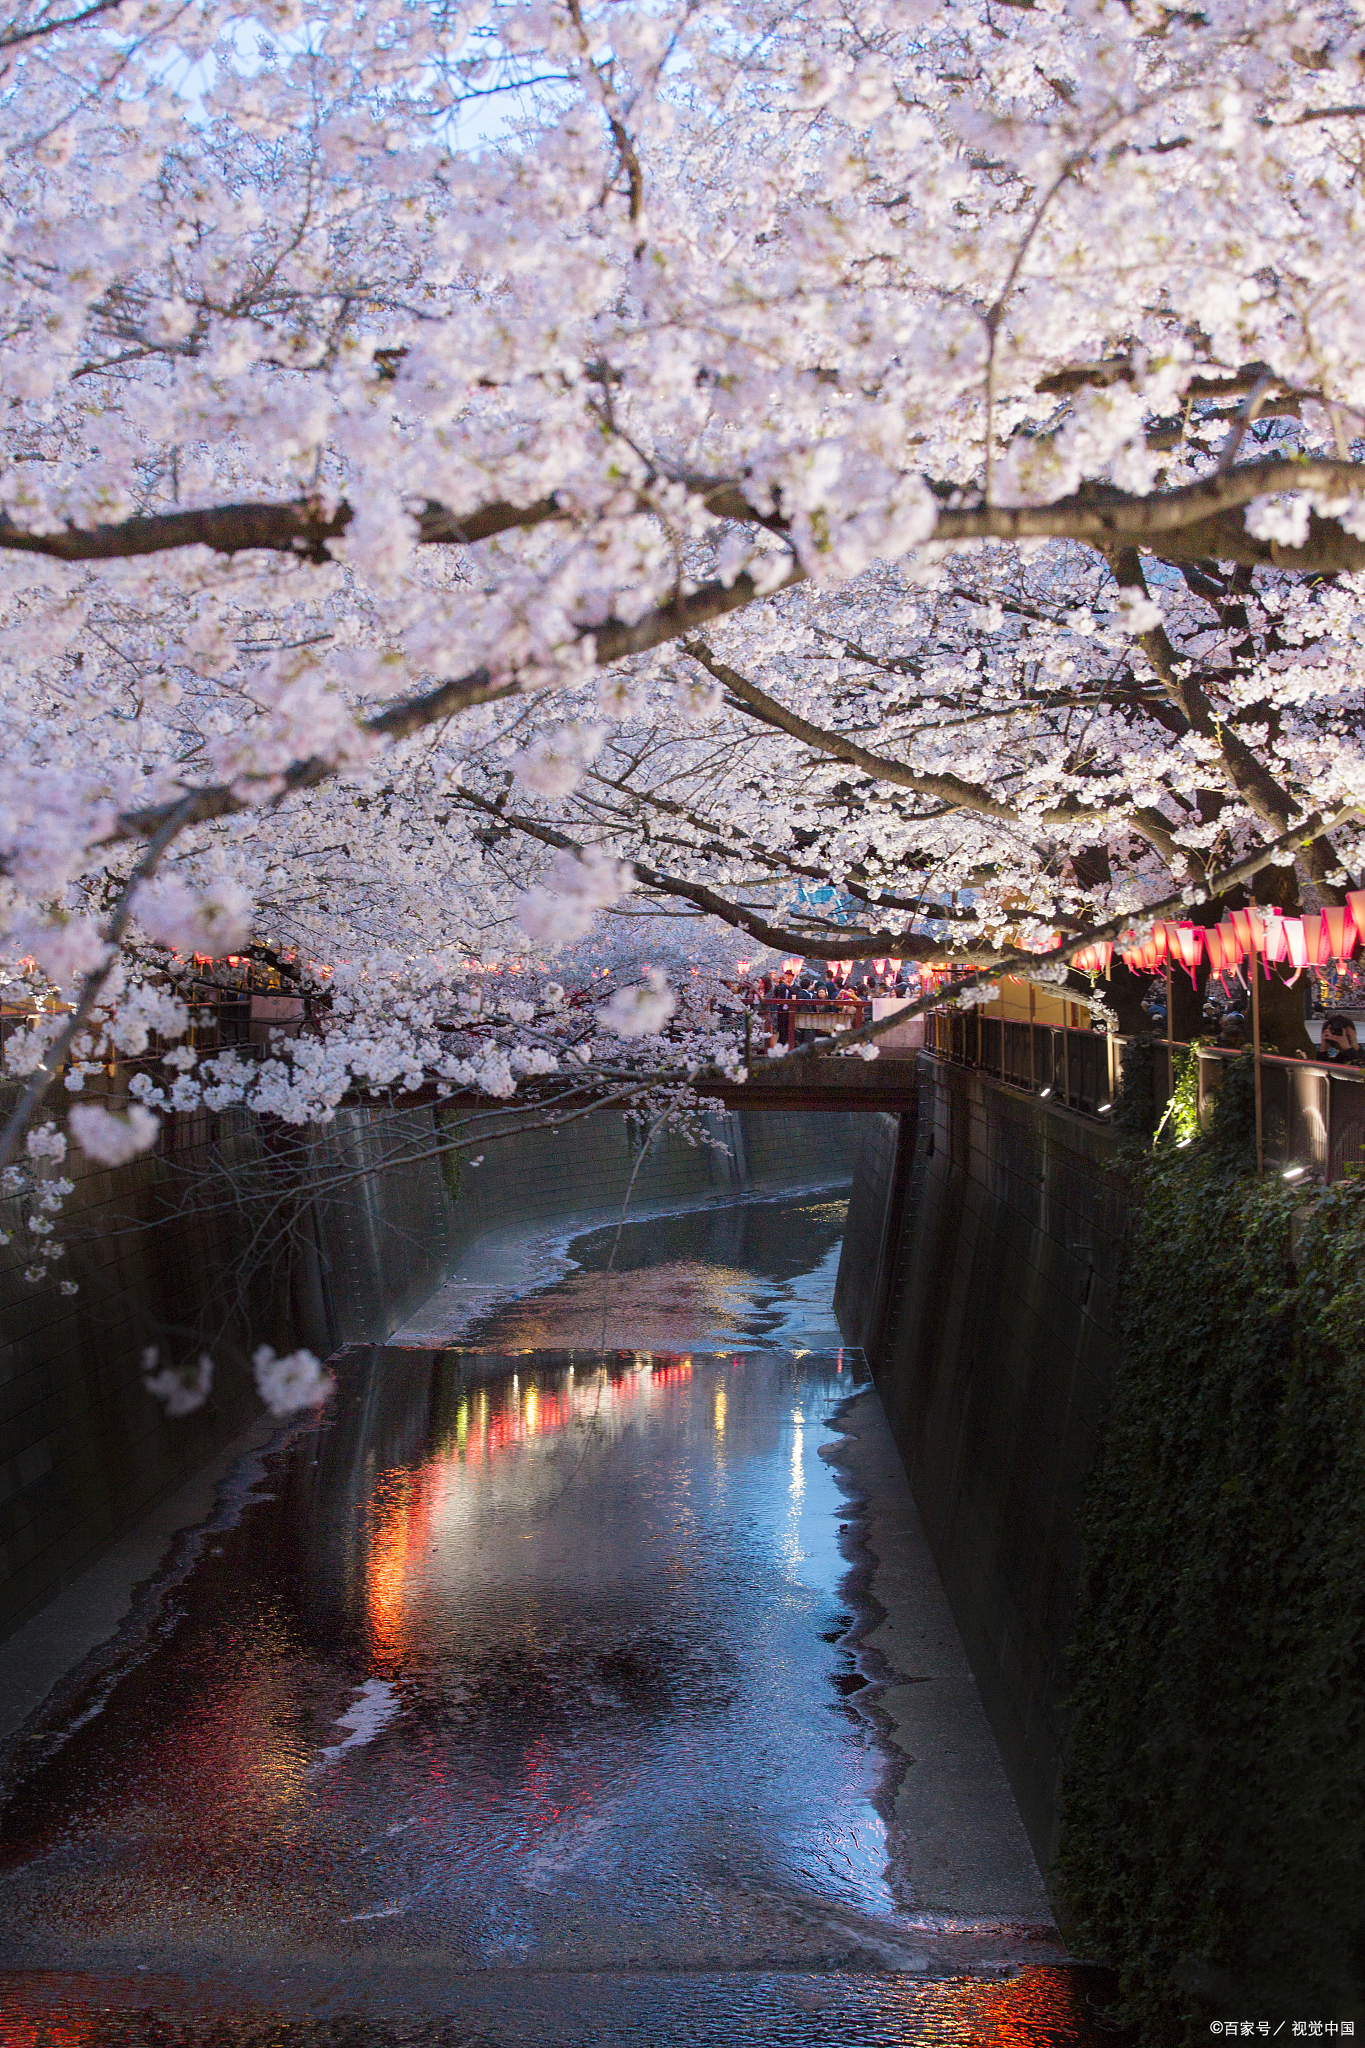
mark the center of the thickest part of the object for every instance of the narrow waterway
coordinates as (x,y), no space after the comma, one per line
(546,1689)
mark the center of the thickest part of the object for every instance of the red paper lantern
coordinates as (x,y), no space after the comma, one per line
(1213,950)
(1186,945)
(1272,937)
(1241,924)
(1317,941)
(1355,903)
(1342,931)
(1233,946)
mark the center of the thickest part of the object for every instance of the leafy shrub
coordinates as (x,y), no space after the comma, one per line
(1136,1111)
(1213,1832)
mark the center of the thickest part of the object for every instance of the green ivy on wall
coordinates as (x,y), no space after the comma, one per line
(1213,1832)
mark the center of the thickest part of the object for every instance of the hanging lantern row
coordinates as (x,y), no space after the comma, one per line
(1299,942)
(841,969)
(1095,959)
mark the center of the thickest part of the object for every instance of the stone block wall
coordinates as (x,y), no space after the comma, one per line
(979,1272)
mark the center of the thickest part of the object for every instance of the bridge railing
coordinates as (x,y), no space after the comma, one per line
(220,1019)
(783,1021)
(1312,1112)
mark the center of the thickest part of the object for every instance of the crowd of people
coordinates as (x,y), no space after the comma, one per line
(801,990)
(831,987)
(1225,1020)
(1224,1014)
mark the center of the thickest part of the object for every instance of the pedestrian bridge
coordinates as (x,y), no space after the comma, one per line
(821,1082)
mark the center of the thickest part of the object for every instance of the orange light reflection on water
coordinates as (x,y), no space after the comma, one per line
(19,2031)
(1035,2009)
(489,1424)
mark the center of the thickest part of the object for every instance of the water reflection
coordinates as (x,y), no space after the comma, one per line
(526,1663)
(757,1272)
(525,1612)
(1037,2008)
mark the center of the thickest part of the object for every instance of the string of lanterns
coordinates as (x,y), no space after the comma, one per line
(1313,940)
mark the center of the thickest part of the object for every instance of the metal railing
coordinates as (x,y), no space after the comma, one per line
(779,1021)
(1077,1068)
(1312,1113)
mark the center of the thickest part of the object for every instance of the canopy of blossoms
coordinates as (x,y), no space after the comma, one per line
(476,470)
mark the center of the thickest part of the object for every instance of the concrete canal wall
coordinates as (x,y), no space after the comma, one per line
(230,1236)
(978,1272)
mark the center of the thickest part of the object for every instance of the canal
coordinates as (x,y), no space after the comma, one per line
(580,1675)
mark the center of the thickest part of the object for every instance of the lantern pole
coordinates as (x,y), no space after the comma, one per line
(1256,1047)
(1170,1031)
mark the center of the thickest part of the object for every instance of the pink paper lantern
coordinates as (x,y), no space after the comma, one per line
(1317,941)
(1342,931)
(1274,936)
(1296,943)
(1187,944)
(1213,949)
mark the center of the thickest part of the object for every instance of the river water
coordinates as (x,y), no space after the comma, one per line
(524,1696)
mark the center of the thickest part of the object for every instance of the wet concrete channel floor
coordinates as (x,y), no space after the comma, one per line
(545,1690)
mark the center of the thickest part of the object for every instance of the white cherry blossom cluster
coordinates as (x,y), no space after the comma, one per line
(507,481)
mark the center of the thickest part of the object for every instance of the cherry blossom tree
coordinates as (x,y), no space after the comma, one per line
(473,471)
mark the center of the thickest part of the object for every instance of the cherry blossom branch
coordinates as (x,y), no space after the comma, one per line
(12,38)
(1266,798)
(304,527)
(1189,522)
(948,789)
(1169,908)
(615,640)
(45,1073)
(781,938)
